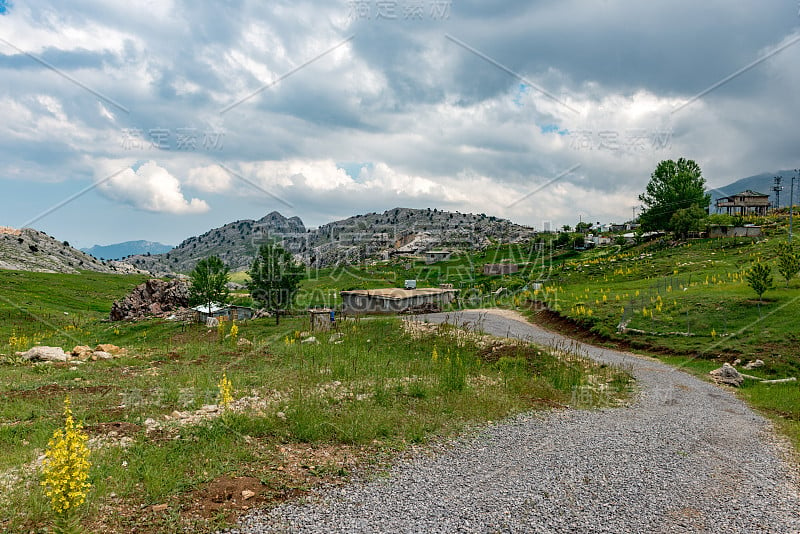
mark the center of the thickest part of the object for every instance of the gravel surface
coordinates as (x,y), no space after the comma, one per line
(687,456)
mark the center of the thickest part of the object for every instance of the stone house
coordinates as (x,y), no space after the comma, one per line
(393,300)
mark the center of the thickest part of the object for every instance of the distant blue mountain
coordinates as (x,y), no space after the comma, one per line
(120,250)
(760,183)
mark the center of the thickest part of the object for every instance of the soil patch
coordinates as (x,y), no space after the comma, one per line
(228,495)
(114,428)
(50,390)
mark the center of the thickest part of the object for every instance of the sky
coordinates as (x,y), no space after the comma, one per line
(161,119)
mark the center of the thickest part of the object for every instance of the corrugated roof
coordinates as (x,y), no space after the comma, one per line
(205,309)
(396,293)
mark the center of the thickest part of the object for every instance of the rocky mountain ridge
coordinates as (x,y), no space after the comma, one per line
(351,240)
(27,249)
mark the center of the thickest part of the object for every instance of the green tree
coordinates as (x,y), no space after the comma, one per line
(686,220)
(207,282)
(759,278)
(788,262)
(674,185)
(562,239)
(274,278)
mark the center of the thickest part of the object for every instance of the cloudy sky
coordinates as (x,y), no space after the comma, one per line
(160,119)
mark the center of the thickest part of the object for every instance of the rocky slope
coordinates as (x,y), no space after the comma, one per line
(235,243)
(369,236)
(30,250)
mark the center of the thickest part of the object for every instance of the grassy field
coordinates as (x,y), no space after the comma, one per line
(689,304)
(303,413)
(311,413)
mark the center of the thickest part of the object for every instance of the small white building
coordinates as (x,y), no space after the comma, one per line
(236,313)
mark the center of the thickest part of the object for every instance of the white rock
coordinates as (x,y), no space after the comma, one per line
(44,354)
(311,339)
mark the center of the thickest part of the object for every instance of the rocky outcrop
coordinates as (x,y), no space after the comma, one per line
(154,298)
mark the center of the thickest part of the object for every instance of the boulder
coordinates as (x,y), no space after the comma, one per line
(727,374)
(754,365)
(81,352)
(44,354)
(152,298)
(111,349)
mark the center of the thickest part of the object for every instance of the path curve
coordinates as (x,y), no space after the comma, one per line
(687,456)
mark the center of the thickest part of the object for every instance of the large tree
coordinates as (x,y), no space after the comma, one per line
(686,220)
(208,282)
(274,278)
(673,186)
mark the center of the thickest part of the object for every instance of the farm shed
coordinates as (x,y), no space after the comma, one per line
(721,230)
(433,256)
(236,313)
(394,300)
(500,268)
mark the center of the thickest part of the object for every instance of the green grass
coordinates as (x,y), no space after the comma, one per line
(374,391)
(689,302)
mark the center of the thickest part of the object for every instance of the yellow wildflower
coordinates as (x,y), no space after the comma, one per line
(65,469)
(225,395)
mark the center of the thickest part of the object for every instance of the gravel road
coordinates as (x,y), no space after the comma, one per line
(686,456)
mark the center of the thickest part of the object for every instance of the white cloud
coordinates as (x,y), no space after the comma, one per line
(209,179)
(150,188)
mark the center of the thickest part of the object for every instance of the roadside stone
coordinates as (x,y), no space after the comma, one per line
(727,374)
(247,494)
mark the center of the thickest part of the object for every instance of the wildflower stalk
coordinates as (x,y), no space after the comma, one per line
(225,391)
(65,472)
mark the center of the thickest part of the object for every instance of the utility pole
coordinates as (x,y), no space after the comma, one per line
(777,188)
(791,206)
